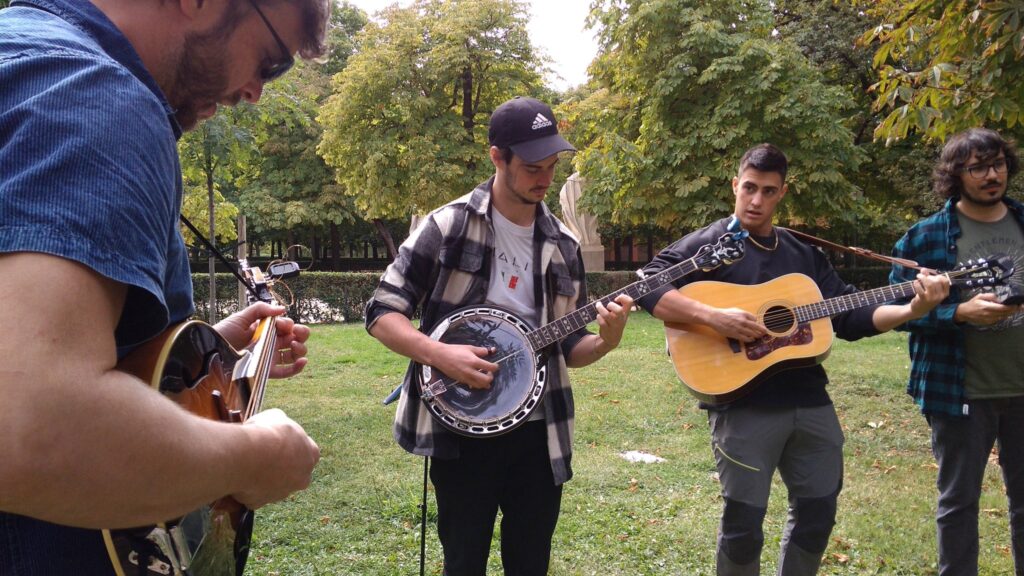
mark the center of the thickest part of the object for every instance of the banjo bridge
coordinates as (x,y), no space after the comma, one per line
(435,388)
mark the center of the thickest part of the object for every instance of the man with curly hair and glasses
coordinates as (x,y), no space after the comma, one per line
(968,353)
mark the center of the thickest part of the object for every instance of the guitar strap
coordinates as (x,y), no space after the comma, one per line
(864,252)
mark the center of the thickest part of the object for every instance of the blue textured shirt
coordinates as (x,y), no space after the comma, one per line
(88,172)
(936,342)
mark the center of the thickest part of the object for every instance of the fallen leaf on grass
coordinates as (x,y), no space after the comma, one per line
(840,558)
(600,394)
(842,543)
(883,469)
(325,520)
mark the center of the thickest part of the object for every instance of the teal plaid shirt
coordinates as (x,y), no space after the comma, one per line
(936,343)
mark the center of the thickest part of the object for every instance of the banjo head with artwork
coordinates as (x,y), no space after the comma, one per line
(518,385)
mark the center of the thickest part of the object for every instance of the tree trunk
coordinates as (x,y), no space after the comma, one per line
(385,234)
(335,248)
(467,110)
(213,263)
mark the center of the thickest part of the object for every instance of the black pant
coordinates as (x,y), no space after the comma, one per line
(510,472)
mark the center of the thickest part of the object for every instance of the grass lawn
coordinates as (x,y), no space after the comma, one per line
(361,514)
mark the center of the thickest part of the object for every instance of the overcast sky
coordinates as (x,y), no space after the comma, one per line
(558,32)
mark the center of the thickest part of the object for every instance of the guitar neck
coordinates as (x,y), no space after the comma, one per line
(845,303)
(573,321)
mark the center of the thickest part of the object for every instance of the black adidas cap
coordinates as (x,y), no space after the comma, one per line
(528,127)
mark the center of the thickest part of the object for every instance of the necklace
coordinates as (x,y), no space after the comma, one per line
(762,246)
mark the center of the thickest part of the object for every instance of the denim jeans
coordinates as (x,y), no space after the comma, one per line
(961,447)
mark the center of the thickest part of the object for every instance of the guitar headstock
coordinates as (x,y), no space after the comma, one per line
(259,284)
(993,270)
(727,250)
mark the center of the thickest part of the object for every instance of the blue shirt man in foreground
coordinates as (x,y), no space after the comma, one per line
(95,95)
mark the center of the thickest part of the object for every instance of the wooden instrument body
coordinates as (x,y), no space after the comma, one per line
(717,369)
(193,365)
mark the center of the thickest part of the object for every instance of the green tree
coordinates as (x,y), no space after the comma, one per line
(286,190)
(681,89)
(894,178)
(212,157)
(405,126)
(946,65)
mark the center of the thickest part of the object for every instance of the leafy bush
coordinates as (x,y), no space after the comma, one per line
(316,297)
(327,297)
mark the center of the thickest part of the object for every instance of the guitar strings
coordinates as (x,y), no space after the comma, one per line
(787,313)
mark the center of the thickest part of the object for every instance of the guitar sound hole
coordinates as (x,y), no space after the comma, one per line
(779,319)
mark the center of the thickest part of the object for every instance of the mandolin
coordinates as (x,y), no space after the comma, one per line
(194,366)
(717,369)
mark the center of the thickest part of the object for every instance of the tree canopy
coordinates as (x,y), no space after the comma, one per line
(947,65)
(405,127)
(681,89)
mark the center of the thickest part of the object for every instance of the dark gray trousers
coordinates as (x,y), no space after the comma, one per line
(961,447)
(806,446)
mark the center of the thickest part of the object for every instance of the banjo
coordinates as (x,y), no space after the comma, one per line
(519,349)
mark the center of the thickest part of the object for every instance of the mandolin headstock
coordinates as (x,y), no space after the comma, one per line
(260,285)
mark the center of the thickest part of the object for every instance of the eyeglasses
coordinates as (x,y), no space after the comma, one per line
(274,71)
(980,171)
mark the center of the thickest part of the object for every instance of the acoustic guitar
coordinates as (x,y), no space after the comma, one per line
(717,369)
(193,365)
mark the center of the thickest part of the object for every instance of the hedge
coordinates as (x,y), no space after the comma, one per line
(326,297)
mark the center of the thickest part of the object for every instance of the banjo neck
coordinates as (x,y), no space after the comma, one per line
(727,250)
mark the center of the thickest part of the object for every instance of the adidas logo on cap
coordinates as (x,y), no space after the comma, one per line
(540,122)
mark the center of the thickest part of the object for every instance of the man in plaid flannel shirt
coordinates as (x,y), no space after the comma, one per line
(967,353)
(497,245)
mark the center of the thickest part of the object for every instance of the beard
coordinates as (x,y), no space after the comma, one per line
(200,77)
(983,200)
(510,185)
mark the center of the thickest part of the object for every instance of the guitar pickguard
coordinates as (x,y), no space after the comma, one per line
(764,346)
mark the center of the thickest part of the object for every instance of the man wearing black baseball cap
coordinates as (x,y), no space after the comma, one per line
(498,246)
(527,126)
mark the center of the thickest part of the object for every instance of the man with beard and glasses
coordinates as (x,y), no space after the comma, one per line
(497,245)
(92,263)
(968,353)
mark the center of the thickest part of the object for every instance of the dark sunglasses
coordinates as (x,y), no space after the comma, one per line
(276,70)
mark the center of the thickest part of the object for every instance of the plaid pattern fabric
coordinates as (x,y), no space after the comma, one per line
(445,265)
(936,343)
